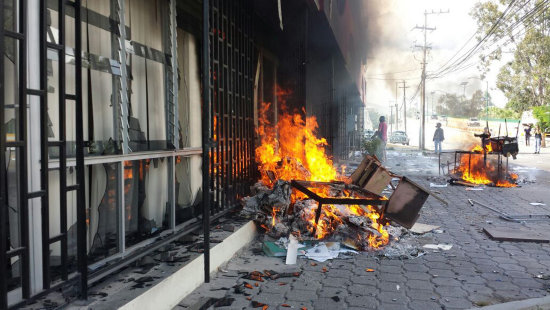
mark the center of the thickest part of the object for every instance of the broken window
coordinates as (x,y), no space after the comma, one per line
(146,76)
(99,68)
(188,188)
(189,91)
(12,155)
(145,199)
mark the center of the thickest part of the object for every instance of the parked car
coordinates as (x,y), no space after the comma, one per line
(368,134)
(434,116)
(399,137)
(474,122)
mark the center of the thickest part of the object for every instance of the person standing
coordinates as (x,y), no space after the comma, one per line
(438,138)
(527,135)
(383,135)
(538,139)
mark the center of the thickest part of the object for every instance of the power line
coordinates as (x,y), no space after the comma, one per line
(532,13)
(472,37)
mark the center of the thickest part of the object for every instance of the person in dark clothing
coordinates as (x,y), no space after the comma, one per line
(438,138)
(527,135)
(383,135)
(538,139)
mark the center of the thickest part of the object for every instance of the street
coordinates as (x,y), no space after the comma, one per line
(476,271)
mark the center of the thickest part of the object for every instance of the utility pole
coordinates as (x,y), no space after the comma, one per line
(404,104)
(425,48)
(391,117)
(396,108)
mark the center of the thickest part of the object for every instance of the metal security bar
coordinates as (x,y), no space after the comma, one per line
(231,93)
(20,144)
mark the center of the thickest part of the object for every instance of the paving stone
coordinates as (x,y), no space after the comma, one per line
(392,297)
(305,285)
(339,273)
(390,269)
(301,295)
(446,282)
(417,275)
(369,280)
(420,284)
(453,302)
(421,294)
(424,305)
(365,302)
(273,300)
(332,291)
(329,303)
(336,282)
(390,286)
(450,291)
(358,289)
(392,277)
(416,267)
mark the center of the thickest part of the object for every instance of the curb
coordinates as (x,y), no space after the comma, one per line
(170,291)
(527,304)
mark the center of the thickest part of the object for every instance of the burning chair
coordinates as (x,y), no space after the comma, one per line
(485,164)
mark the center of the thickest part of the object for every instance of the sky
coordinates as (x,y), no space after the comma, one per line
(393,37)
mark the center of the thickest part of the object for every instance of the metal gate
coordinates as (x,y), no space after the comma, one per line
(231,95)
(20,142)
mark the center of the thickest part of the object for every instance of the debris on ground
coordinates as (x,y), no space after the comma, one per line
(420,228)
(441,246)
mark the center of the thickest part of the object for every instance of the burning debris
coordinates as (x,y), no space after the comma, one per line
(482,166)
(302,193)
(484,163)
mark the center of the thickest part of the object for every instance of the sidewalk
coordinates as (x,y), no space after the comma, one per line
(475,272)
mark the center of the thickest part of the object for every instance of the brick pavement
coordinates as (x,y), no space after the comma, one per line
(477,271)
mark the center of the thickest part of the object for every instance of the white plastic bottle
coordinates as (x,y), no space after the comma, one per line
(292,251)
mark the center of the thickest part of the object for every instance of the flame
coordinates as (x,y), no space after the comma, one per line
(476,170)
(291,150)
(331,218)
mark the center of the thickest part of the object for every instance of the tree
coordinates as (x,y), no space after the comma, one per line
(525,30)
(453,105)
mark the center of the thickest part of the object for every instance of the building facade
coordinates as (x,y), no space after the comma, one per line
(106,129)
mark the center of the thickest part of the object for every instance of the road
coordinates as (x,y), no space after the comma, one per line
(463,139)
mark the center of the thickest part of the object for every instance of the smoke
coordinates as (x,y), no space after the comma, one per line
(389,54)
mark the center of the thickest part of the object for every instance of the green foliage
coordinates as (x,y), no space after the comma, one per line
(496,112)
(542,114)
(453,105)
(372,146)
(525,80)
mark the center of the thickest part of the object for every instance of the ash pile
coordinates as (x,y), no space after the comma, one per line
(362,213)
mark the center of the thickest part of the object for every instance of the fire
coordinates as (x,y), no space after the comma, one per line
(291,150)
(477,169)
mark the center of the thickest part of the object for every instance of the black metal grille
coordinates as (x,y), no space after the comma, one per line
(231,93)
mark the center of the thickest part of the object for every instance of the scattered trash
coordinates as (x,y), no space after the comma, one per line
(441,246)
(543,276)
(419,228)
(325,251)
(369,270)
(474,188)
(438,185)
(516,234)
(537,204)
(292,252)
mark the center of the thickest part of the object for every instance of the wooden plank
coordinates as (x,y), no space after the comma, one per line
(356,175)
(379,181)
(516,234)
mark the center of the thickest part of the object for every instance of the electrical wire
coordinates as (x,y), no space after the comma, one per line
(533,13)
(446,67)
